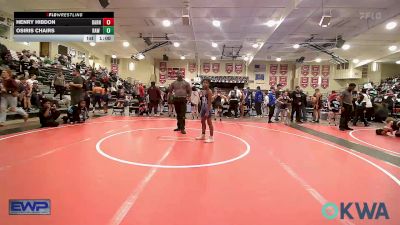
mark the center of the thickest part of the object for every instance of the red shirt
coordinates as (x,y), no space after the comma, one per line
(141,91)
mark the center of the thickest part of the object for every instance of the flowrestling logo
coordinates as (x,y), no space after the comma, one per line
(349,210)
(29,207)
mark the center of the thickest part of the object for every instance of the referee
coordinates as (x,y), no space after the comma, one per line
(182,93)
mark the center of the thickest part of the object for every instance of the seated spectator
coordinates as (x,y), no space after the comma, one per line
(37,94)
(121,97)
(76,113)
(48,114)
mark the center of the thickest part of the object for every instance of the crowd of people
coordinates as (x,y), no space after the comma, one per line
(20,91)
(91,87)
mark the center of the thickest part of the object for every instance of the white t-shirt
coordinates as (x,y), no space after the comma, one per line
(195,98)
(30,82)
(238,94)
(367,100)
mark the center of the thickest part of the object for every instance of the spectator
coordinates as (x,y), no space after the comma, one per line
(26,94)
(234,97)
(37,94)
(154,98)
(194,101)
(347,107)
(334,110)
(271,104)
(106,99)
(98,93)
(121,96)
(278,93)
(248,97)
(48,114)
(141,92)
(59,83)
(360,110)
(76,87)
(368,104)
(217,103)
(296,104)
(317,105)
(170,100)
(9,93)
(242,104)
(303,105)
(76,113)
(284,101)
(258,100)
(32,78)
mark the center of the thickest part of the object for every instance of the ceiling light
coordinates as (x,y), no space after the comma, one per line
(183,57)
(255,45)
(26,43)
(391,25)
(92,44)
(216,23)
(140,56)
(113,56)
(246,58)
(393,48)
(278,59)
(296,46)
(177,44)
(270,23)
(213,58)
(398,62)
(318,60)
(214,44)
(125,44)
(356,61)
(346,47)
(166,23)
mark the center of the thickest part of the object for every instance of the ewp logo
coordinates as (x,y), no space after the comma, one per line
(376,211)
(29,207)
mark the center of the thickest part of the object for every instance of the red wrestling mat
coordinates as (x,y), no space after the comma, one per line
(121,170)
(363,136)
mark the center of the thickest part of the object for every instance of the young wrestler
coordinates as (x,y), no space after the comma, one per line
(205,113)
(392,126)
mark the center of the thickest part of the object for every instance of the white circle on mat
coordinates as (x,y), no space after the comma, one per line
(99,150)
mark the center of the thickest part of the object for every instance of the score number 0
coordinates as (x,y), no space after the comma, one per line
(108,21)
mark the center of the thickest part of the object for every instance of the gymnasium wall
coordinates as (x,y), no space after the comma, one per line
(143,70)
(19,46)
(265,69)
(389,70)
(100,58)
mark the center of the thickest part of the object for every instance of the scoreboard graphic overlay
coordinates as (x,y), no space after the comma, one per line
(64,26)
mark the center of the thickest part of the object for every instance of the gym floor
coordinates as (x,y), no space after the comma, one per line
(132,170)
